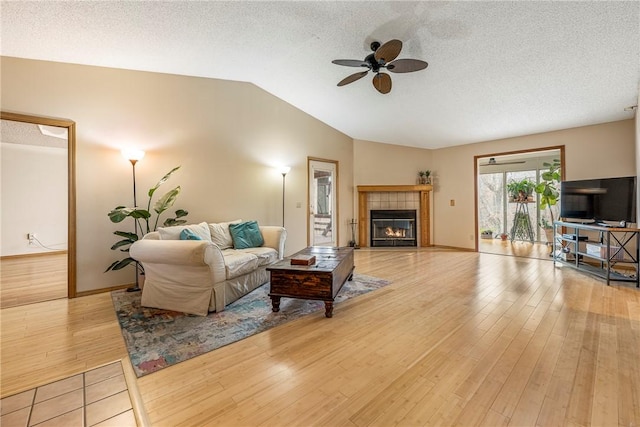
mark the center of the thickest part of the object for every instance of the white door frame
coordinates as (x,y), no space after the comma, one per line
(330,236)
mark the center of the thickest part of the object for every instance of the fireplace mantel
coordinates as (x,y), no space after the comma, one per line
(424,218)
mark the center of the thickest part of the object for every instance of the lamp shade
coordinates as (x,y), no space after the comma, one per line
(132,154)
(284,170)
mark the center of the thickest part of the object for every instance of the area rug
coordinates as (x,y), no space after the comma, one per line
(157,338)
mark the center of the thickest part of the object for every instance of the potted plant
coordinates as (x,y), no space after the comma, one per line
(424,177)
(145,223)
(549,194)
(521,191)
(486,234)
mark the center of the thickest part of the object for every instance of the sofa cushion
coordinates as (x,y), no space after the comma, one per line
(220,234)
(265,254)
(246,235)
(173,233)
(237,263)
(188,234)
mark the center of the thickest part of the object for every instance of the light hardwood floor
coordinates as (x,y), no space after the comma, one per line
(515,248)
(458,338)
(30,279)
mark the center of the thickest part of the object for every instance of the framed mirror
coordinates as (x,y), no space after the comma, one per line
(38,209)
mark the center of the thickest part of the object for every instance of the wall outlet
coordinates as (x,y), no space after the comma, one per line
(31,237)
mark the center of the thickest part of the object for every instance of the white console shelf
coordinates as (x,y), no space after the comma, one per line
(597,250)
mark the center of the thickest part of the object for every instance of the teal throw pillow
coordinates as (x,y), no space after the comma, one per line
(246,235)
(187,234)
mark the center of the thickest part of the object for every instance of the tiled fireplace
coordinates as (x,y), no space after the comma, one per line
(386,200)
(393,227)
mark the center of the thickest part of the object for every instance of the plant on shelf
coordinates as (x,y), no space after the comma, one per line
(144,222)
(425,177)
(521,191)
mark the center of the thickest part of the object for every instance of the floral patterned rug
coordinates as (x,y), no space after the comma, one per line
(158,338)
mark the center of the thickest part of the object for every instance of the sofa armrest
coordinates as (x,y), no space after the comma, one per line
(274,237)
(184,253)
(154,235)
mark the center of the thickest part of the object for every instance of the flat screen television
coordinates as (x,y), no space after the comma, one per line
(599,200)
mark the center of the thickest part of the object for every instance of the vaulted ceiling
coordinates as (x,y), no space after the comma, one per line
(496,69)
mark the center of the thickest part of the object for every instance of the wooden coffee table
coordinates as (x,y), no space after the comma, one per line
(320,281)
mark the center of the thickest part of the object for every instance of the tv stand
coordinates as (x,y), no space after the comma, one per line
(597,249)
(603,224)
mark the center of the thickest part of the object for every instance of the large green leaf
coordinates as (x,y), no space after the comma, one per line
(166,201)
(170,222)
(119,214)
(127,235)
(120,244)
(119,265)
(140,214)
(162,181)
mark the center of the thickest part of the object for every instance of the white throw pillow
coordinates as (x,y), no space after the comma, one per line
(220,234)
(173,233)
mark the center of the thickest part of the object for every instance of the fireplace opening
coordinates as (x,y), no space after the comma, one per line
(393,228)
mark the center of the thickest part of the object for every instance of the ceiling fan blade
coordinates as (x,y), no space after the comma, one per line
(406,65)
(352,78)
(382,82)
(492,162)
(350,62)
(388,51)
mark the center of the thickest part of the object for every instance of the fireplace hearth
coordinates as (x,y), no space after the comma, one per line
(393,228)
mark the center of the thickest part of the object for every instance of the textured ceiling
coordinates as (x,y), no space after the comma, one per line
(31,134)
(496,69)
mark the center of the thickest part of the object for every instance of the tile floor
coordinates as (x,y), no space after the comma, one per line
(98,397)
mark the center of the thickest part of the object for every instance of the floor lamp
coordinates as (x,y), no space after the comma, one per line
(284,171)
(133,156)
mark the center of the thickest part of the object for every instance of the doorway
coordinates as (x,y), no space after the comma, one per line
(322,227)
(509,225)
(38,209)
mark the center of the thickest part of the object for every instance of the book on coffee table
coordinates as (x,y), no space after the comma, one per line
(303,260)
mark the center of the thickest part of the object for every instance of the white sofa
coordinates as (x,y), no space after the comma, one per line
(199,276)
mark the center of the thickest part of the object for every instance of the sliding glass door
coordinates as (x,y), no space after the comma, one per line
(491,206)
(496,212)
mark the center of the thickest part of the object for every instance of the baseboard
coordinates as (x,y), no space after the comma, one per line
(35,254)
(103,290)
(455,248)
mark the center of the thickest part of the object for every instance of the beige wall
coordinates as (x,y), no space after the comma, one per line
(393,164)
(605,150)
(637,146)
(228,137)
(28,205)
